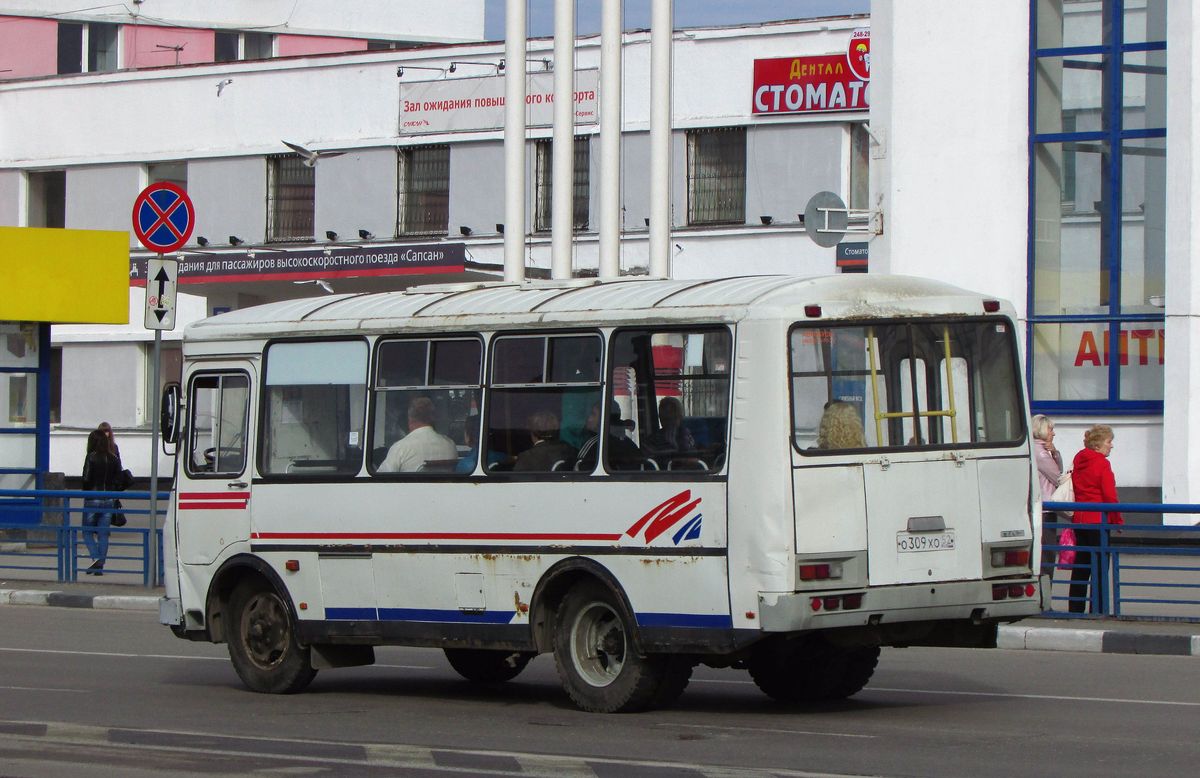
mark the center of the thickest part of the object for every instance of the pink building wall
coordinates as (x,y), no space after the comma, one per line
(299,45)
(141,43)
(28,47)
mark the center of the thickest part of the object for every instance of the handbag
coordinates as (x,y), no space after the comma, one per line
(1065,492)
(1066,557)
(119,520)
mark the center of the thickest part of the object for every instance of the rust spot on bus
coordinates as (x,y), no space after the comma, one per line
(522,607)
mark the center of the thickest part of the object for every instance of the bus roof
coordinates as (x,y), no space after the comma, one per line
(498,304)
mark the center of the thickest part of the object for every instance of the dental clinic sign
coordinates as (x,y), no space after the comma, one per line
(820,84)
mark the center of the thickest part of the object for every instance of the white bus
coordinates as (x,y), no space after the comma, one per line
(766,473)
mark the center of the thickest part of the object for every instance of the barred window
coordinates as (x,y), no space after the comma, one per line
(544,184)
(291,192)
(424,196)
(716,160)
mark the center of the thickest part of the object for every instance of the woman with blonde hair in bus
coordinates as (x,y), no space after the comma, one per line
(840,427)
(1050,470)
(1092,477)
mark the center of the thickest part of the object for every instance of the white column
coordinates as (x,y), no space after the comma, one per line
(514,141)
(563,190)
(952,173)
(661,23)
(610,140)
(1181,413)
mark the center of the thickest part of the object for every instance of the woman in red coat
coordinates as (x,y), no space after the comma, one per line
(1092,477)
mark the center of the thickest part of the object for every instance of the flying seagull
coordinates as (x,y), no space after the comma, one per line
(328,287)
(310,157)
(222,84)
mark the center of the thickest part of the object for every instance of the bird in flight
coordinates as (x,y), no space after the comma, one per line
(222,84)
(310,157)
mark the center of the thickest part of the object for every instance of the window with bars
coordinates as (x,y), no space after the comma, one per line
(544,184)
(716,175)
(291,194)
(423,202)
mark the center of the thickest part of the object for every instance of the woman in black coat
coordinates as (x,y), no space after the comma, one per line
(101,473)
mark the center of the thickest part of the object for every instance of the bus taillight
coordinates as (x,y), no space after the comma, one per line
(820,572)
(1010,557)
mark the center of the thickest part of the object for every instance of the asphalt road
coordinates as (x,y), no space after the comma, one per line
(87,693)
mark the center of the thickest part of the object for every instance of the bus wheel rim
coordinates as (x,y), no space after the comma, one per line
(265,630)
(598,644)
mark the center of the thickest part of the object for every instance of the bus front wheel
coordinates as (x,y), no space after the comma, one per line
(487,666)
(262,642)
(597,662)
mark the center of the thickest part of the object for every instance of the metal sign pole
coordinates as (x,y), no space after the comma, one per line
(154,425)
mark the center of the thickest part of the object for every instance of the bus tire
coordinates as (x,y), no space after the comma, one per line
(487,666)
(811,670)
(262,641)
(597,662)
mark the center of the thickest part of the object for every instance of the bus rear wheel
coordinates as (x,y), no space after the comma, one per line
(262,642)
(811,670)
(597,662)
(487,666)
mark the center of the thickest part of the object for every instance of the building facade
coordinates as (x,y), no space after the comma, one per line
(1033,168)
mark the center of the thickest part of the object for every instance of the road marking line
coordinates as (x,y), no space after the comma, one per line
(110,653)
(1064,698)
(767,729)
(44,689)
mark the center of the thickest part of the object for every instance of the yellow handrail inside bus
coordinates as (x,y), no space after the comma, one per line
(949,385)
(951,412)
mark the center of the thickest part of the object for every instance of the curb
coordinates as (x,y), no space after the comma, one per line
(70,600)
(1095,641)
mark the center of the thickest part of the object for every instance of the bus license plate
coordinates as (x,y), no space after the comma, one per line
(925,541)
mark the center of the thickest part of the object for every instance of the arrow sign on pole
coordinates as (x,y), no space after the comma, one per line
(162,276)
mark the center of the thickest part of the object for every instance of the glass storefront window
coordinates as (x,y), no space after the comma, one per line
(1097,186)
(1067,235)
(1065,86)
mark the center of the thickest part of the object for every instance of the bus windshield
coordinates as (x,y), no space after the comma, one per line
(923,384)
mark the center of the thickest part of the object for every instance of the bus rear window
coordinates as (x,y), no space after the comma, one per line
(905,384)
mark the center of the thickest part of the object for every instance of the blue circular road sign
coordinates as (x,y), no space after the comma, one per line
(163,217)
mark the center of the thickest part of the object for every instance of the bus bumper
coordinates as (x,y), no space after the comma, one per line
(945,601)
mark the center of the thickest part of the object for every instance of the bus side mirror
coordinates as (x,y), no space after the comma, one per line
(170,419)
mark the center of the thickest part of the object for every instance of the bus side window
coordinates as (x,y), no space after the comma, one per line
(219,409)
(314,407)
(677,384)
(541,391)
(426,382)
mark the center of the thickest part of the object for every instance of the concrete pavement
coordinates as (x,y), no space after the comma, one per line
(1108,636)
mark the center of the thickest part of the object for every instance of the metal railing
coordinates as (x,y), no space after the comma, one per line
(49,544)
(1145,571)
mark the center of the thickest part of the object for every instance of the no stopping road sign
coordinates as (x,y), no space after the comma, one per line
(163,217)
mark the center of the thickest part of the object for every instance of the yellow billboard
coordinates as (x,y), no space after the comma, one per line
(64,276)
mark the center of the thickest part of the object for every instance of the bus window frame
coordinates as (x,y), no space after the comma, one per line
(696,327)
(489,387)
(189,417)
(372,405)
(264,394)
(911,320)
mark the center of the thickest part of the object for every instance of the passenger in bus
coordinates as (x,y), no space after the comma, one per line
(672,436)
(548,451)
(623,453)
(422,443)
(840,427)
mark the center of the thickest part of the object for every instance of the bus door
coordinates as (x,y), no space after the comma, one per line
(213,492)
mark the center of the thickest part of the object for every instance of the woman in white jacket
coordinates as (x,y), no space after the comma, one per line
(1050,467)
